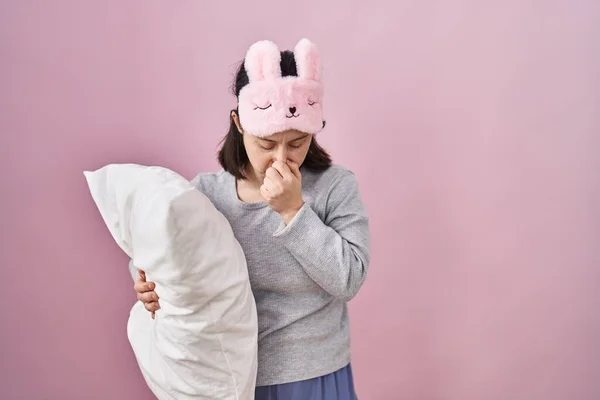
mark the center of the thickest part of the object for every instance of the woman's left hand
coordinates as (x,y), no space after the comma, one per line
(282,189)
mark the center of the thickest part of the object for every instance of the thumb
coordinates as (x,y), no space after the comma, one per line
(295,168)
(142,275)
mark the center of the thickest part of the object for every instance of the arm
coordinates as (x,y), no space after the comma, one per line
(334,252)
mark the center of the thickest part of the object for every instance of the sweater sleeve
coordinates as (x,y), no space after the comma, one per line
(334,252)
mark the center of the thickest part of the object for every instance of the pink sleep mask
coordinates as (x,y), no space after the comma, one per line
(270,103)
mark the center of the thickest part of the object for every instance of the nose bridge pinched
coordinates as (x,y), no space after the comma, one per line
(281,153)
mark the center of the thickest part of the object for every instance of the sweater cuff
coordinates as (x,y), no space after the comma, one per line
(300,226)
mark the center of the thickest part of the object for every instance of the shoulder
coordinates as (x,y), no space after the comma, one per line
(331,179)
(331,189)
(210,182)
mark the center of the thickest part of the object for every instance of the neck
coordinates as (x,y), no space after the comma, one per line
(248,190)
(252,180)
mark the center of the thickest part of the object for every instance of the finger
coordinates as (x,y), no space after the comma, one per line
(141,275)
(143,286)
(295,169)
(264,193)
(152,307)
(273,173)
(148,297)
(271,187)
(283,169)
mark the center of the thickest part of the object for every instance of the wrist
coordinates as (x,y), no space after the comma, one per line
(288,215)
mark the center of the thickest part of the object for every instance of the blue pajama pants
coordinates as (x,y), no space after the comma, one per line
(338,385)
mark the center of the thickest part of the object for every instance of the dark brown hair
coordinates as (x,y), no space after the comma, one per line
(232,154)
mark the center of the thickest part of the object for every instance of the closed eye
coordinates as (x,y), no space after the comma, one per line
(312,103)
(262,108)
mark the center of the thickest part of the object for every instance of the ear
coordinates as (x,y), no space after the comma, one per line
(308,60)
(263,61)
(236,121)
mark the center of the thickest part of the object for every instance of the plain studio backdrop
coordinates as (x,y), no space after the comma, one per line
(472,126)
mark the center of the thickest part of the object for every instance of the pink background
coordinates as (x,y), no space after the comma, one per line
(474,130)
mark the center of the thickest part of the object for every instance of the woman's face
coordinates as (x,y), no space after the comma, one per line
(291,145)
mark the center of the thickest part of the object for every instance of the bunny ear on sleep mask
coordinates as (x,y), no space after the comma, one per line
(270,103)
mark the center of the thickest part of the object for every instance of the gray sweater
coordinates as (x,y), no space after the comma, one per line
(301,274)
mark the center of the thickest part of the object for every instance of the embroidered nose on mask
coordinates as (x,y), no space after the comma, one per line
(293,110)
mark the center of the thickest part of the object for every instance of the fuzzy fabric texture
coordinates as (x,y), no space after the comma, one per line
(271,103)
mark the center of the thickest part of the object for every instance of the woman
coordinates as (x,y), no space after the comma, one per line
(300,221)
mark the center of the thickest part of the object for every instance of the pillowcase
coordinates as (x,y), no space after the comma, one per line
(203,342)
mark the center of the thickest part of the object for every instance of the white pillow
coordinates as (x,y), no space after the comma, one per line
(203,342)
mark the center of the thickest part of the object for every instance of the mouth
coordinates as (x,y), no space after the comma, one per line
(292,116)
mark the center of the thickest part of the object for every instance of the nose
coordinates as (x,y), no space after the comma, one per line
(293,110)
(281,154)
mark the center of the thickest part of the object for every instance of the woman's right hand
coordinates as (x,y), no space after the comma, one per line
(145,293)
